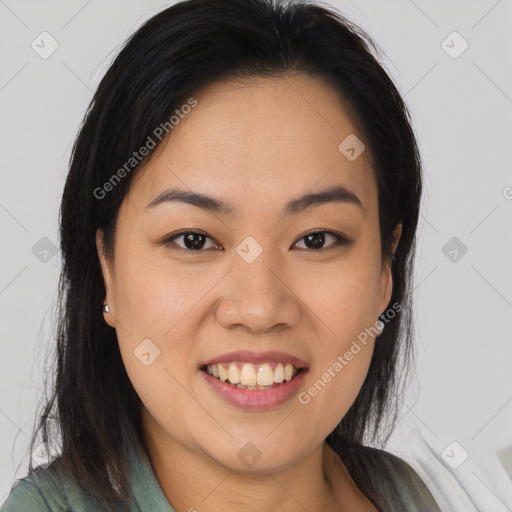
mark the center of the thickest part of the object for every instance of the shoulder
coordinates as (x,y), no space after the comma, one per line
(25,496)
(387,463)
(45,490)
(388,479)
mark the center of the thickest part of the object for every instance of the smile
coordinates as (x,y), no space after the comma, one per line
(252,376)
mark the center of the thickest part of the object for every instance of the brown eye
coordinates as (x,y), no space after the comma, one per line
(192,240)
(317,239)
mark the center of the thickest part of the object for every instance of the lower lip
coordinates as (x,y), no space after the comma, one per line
(255,399)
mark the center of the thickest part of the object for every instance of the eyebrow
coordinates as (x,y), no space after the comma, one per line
(335,194)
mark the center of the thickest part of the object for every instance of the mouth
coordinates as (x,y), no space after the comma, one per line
(251,376)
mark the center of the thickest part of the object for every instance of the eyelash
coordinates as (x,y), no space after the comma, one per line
(341,240)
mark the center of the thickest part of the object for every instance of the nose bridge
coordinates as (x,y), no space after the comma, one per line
(255,265)
(257,294)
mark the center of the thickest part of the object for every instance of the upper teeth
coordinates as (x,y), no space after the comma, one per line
(252,374)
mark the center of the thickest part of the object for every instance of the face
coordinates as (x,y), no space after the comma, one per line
(253,275)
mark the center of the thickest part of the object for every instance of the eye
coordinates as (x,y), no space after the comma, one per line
(316,239)
(192,240)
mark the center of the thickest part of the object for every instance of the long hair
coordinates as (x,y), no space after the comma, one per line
(173,55)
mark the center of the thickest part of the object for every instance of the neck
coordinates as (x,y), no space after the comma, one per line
(191,480)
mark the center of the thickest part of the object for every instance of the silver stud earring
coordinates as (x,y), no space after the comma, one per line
(380,327)
(106,309)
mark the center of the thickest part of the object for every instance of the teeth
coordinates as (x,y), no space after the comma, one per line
(223,373)
(252,376)
(288,372)
(279,373)
(265,375)
(240,386)
(234,374)
(248,375)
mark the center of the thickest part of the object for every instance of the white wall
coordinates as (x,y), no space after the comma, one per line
(462,110)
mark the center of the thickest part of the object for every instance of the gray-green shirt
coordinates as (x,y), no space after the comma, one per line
(390,482)
(41,491)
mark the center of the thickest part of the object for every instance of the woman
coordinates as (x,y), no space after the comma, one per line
(238,232)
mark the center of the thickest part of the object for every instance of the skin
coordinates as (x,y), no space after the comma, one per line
(255,145)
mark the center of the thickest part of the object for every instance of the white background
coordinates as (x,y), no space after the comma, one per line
(462,113)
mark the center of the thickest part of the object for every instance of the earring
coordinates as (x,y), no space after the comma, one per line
(380,327)
(106,309)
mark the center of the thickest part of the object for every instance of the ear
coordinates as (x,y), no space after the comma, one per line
(386,282)
(107,279)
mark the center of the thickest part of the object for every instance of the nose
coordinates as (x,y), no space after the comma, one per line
(258,297)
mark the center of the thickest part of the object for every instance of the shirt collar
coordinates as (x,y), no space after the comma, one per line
(147,493)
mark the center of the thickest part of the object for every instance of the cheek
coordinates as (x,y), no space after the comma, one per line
(153,298)
(345,306)
(343,297)
(155,345)
(161,388)
(156,321)
(335,381)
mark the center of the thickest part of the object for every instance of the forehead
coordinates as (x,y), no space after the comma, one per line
(261,138)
